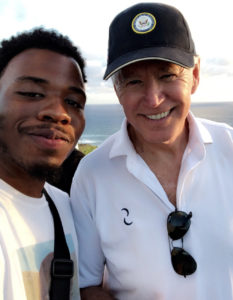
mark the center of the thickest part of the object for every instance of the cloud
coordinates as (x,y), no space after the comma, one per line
(217,66)
(95,71)
(98,90)
(87,23)
(3,5)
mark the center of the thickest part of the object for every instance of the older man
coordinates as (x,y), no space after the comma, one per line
(42,98)
(153,203)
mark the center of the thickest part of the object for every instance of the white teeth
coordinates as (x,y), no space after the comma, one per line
(158,116)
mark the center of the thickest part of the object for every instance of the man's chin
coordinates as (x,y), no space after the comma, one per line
(44,172)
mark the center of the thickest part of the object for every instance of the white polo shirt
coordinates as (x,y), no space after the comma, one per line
(121,212)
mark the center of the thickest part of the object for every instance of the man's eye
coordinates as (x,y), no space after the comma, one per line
(74,103)
(134,82)
(169,76)
(30,94)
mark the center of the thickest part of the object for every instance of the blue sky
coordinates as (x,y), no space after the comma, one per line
(87,22)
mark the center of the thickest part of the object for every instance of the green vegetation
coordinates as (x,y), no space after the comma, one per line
(86,148)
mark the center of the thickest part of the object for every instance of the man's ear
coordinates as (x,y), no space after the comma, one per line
(196,74)
(116,89)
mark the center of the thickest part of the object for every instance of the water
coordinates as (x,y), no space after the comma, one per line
(104,120)
(101,121)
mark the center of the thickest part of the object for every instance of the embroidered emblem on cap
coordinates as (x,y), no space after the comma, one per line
(143,23)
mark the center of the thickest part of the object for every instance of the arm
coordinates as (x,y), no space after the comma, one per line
(91,257)
(95,293)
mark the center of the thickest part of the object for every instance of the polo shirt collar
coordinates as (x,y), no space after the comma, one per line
(122,145)
(198,130)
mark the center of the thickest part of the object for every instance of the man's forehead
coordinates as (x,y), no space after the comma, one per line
(41,62)
(152,64)
(34,56)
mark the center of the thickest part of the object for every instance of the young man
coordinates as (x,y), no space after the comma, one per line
(42,98)
(153,204)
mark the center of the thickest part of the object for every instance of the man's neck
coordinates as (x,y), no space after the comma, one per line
(164,160)
(31,188)
(23,182)
(170,150)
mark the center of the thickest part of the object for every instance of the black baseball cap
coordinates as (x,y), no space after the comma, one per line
(149,31)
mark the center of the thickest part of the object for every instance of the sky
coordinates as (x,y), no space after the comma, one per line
(86,23)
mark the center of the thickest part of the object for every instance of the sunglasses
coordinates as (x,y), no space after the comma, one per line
(178,223)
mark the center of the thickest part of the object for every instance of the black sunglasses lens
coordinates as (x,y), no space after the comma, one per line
(183,263)
(178,223)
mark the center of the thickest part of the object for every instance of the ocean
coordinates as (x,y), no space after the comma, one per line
(104,120)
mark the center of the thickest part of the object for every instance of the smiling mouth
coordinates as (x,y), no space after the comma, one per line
(159,116)
(51,136)
(48,132)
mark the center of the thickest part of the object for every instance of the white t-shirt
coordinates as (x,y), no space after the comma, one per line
(121,211)
(27,243)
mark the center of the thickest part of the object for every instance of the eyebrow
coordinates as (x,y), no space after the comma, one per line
(77,91)
(32,78)
(41,80)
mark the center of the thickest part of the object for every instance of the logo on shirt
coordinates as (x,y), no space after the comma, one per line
(126,220)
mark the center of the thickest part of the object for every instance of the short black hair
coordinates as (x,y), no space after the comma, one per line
(39,38)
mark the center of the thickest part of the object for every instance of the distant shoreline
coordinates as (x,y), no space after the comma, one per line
(104,120)
(192,103)
(86,148)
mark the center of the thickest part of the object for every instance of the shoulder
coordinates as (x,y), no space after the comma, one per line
(221,137)
(99,155)
(216,127)
(58,196)
(62,202)
(214,124)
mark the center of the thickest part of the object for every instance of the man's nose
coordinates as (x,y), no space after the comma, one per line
(154,94)
(54,111)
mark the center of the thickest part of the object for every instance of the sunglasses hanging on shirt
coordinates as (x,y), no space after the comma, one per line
(178,223)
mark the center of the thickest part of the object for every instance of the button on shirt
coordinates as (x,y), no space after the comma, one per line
(121,210)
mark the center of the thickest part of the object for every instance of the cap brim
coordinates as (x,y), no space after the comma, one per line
(174,55)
